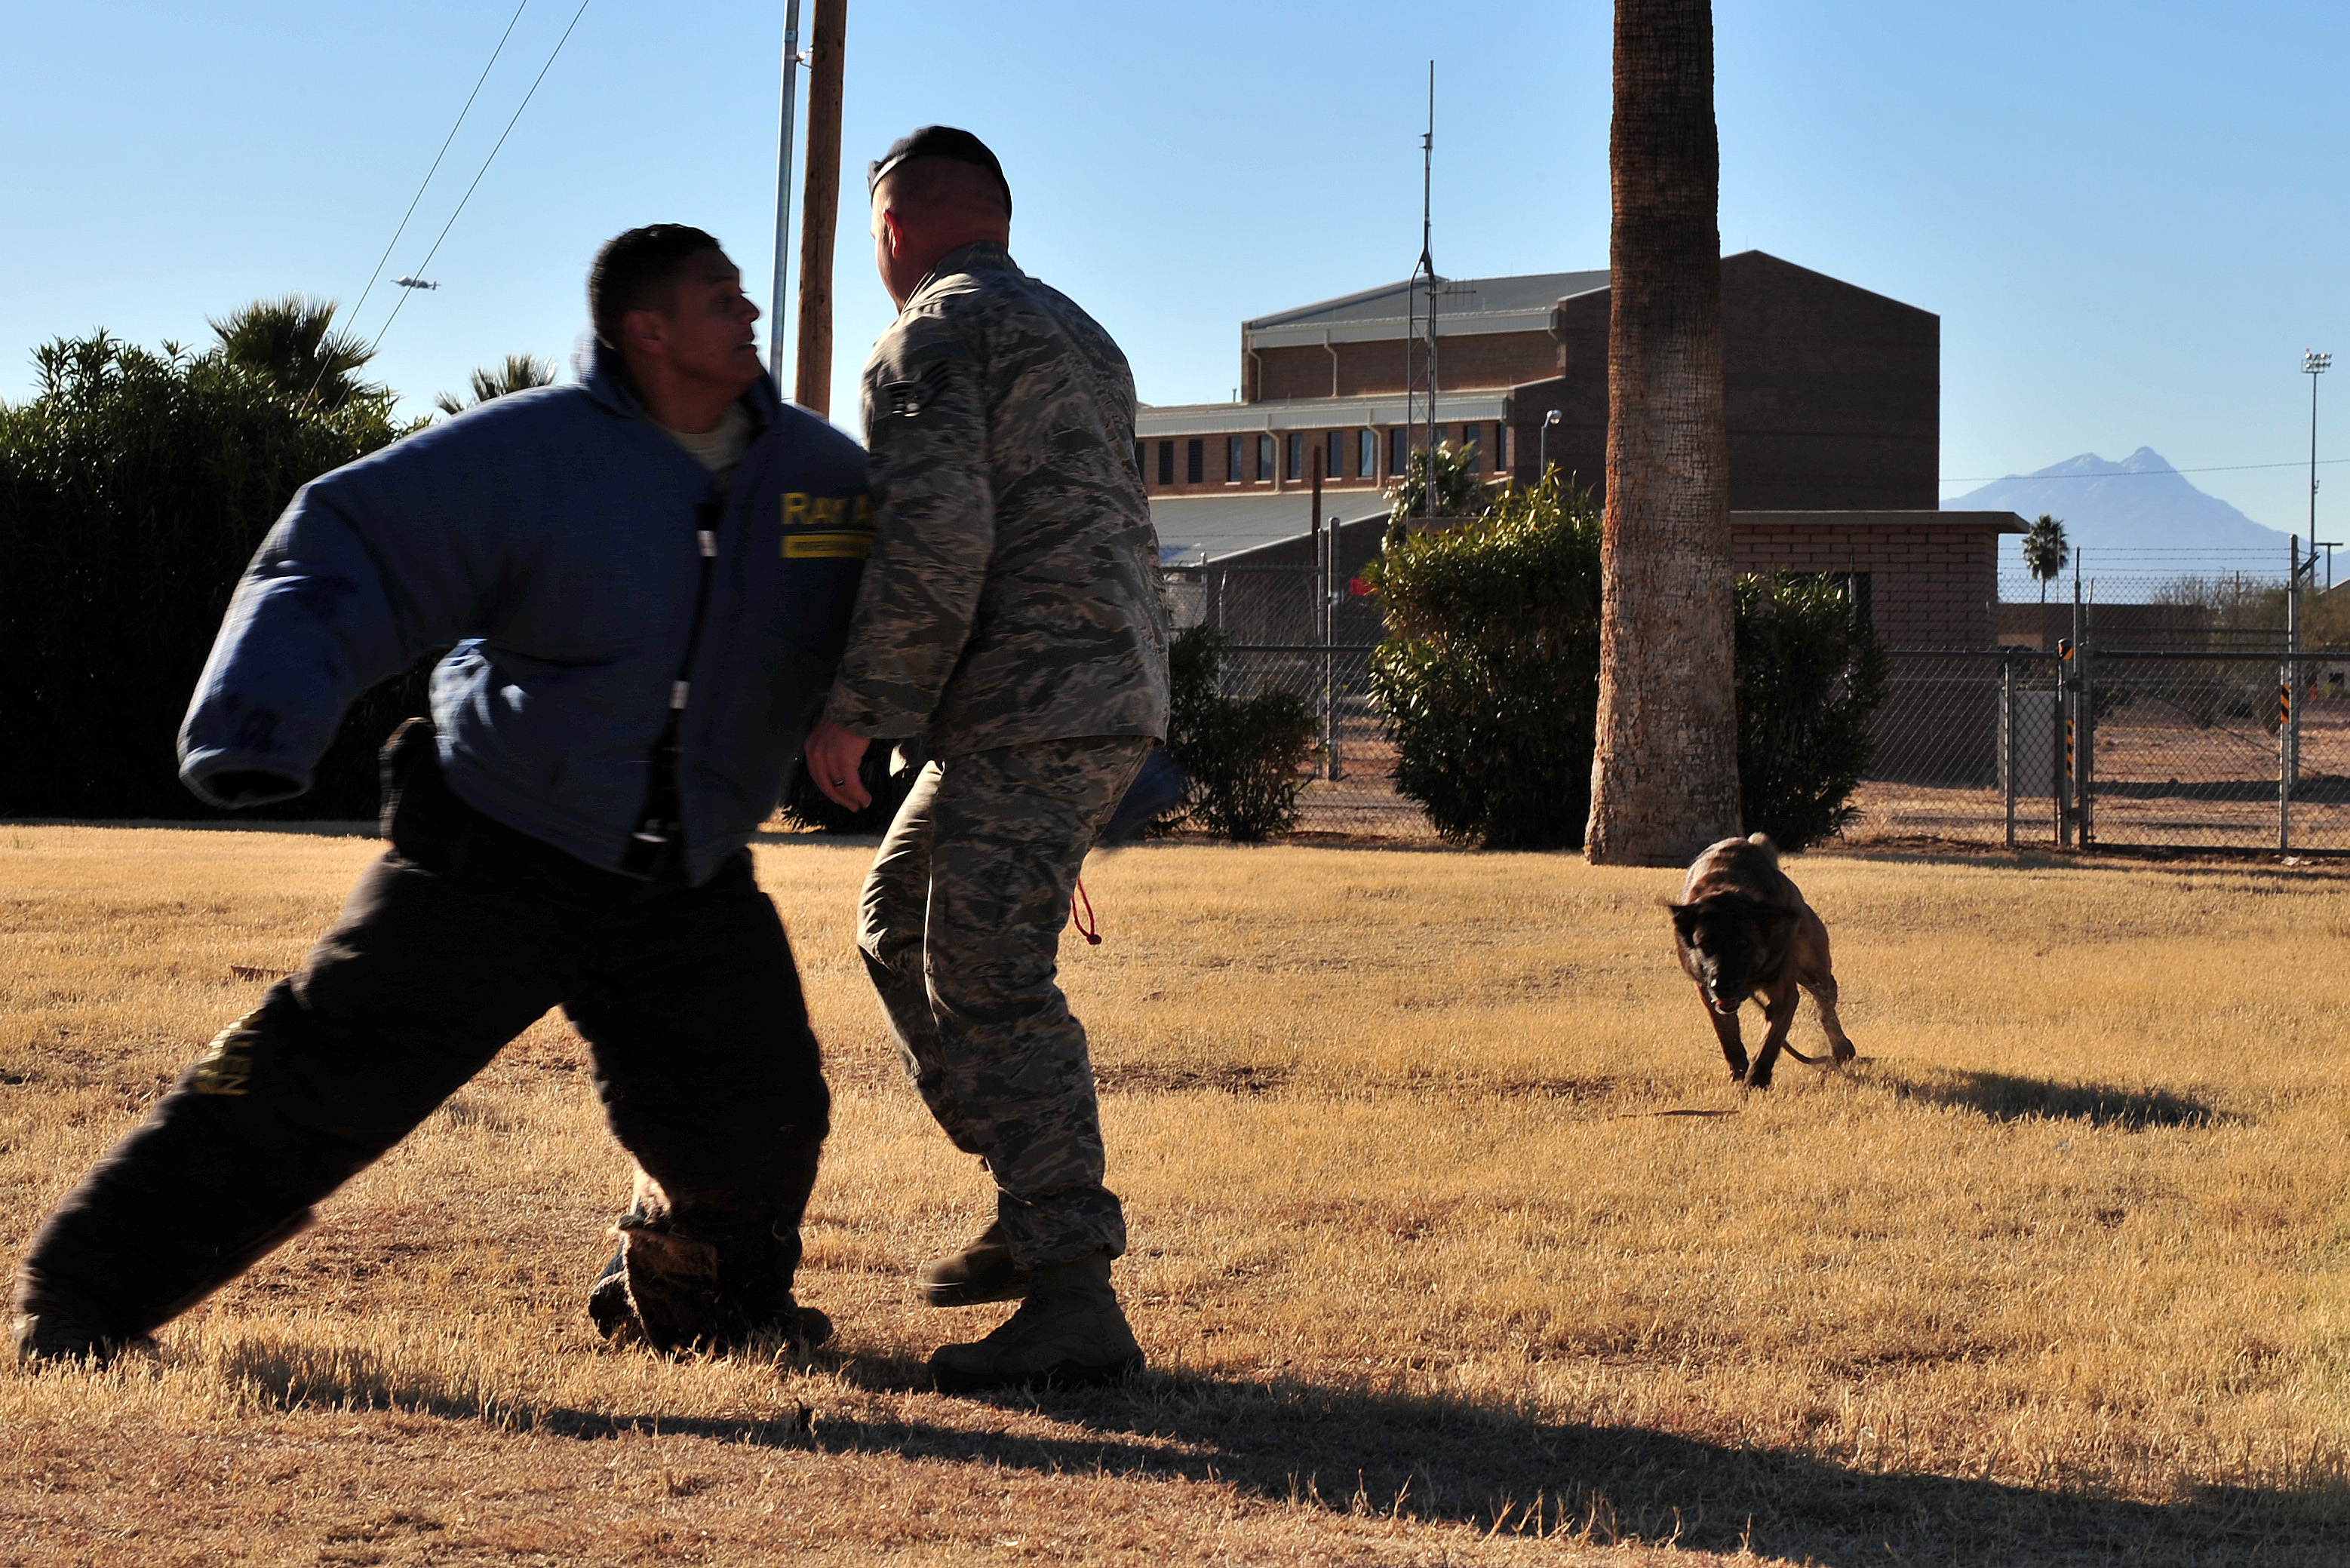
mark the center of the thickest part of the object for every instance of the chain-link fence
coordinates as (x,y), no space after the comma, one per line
(1294,629)
(2154,747)
(2199,733)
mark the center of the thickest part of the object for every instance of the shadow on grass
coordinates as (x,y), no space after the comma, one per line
(1367,1451)
(2007,1097)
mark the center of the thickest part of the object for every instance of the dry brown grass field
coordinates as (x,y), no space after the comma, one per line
(1451,1243)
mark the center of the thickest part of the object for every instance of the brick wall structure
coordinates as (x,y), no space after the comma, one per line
(1388,366)
(1933,576)
(1930,579)
(1832,394)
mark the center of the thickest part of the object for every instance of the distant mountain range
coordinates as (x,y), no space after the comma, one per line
(2137,516)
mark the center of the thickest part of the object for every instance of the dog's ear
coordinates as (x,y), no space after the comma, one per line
(1778,924)
(1685,918)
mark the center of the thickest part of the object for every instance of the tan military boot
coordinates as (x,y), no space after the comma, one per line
(1068,1332)
(983,1272)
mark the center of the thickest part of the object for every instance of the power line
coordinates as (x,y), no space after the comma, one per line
(354,315)
(425,265)
(438,157)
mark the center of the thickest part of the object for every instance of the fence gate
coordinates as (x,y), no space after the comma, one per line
(2172,748)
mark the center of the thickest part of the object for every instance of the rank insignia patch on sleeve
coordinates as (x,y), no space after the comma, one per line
(908,399)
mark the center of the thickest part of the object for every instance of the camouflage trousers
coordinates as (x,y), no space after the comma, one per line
(961,929)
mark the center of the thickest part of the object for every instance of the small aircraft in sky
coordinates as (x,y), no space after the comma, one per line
(413,283)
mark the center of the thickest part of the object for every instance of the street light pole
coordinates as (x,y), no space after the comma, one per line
(784,190)
(2313,365)
(1549,419)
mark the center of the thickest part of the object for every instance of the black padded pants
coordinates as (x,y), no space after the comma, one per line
(450,946)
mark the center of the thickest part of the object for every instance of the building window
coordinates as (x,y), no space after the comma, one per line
(1296,444)
(1399,450)
(1232,459)
(1472,450)
(1195,461)
(1501,449)
(1367,454)
(1166,463)
(1264,460)
(1335,465)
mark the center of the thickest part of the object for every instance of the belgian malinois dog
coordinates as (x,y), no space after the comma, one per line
(1743,930)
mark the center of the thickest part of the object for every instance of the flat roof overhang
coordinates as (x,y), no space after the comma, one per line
(1317,413)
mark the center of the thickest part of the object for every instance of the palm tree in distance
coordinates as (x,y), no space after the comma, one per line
(2046,551)
(1664,774)
(518,374)
(1459,492)
(288,341)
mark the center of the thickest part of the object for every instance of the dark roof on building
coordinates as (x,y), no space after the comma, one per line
(1460,295)
(1195,529)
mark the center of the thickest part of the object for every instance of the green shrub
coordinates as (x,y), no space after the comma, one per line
(1489,680)
(1490,677)
(1243,755)
(134,488)
(1810,673)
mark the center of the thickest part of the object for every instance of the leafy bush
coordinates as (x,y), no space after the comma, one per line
(1490,676)
(1810,673)
(1242,755)
(134,488)
(1489,680)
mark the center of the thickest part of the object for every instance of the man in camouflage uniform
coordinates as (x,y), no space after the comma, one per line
(1010,613)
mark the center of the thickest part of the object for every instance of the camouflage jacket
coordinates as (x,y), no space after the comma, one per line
(1013,594)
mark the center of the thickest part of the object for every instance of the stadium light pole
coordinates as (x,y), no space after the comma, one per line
(2313,365)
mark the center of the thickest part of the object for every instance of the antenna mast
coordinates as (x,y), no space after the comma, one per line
(1426,269)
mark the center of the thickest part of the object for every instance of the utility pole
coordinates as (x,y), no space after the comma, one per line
(783,192)
(2312,365)
(820,213)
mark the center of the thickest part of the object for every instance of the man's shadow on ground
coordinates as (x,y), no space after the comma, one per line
(1382,1452)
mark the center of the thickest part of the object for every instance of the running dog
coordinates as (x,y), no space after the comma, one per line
(1743,930)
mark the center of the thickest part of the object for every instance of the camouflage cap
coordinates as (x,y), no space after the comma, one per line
(939,141)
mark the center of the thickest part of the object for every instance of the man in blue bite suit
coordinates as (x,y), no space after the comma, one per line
(647,577)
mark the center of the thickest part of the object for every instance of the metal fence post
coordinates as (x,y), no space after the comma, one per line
(2064,764)
(2007,741)
(2085,807)
(1333,766)
(2287,763)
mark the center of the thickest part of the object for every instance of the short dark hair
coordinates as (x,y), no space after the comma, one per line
(928,184)
(940,141)
(637,271)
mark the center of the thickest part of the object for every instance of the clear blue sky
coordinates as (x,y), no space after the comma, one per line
(2131,218)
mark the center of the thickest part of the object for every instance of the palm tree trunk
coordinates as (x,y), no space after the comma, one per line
(1664,776)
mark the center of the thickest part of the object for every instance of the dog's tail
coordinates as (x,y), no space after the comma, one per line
(1763,841)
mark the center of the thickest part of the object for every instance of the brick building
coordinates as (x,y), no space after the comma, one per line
(1833,397)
